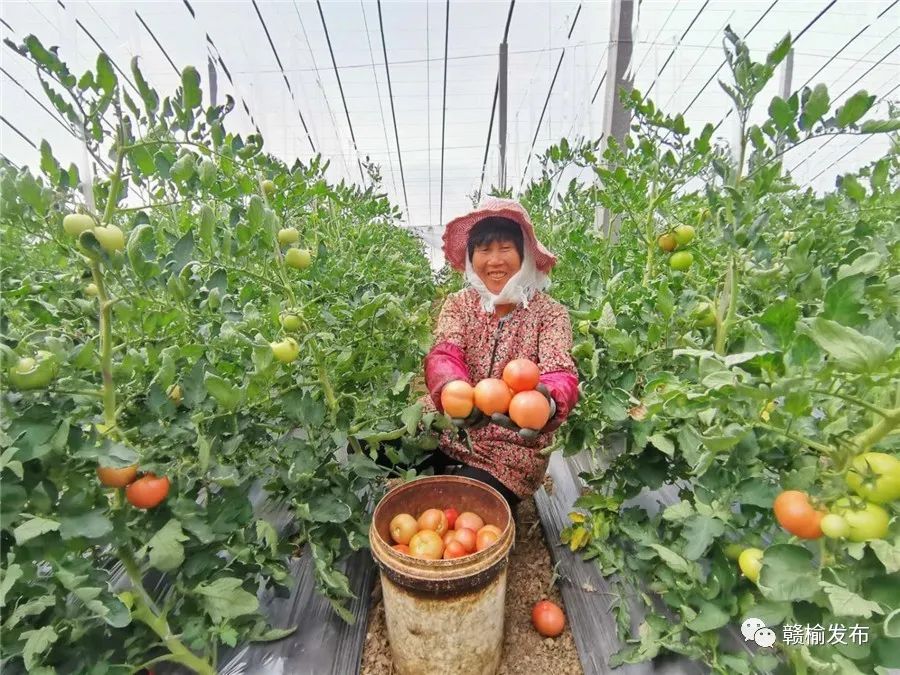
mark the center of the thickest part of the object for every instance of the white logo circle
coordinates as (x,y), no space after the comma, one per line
(750,626)
(765,637)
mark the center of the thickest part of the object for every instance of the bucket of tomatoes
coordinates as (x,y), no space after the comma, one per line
(442,544)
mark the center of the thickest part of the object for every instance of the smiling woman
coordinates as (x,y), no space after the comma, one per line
(502,316)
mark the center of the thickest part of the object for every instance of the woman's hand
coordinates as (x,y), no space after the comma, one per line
(475,420)
(528,434)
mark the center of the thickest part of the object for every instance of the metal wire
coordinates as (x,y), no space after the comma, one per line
(393,111)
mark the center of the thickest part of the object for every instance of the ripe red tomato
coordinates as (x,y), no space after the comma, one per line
(454,550)
(117,478)
(521,375)
(452,515)
(467,538)
(548,618)
(529,409)
(426,544)
(403,526)
(796,515)
(492,396)
(147,491)
(403,548)
(458,398)
(449,536)
(470,521)
(433,519)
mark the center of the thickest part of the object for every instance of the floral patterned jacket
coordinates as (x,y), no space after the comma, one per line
(471,345)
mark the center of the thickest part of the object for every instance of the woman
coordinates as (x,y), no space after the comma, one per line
(502,314)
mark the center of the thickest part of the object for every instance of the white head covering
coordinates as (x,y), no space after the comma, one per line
(519,289)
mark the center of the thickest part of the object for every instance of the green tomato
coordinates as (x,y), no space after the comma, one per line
(268,188)
(288,235)
(110,237)
(684,234)
(584,327)
(733,551)
(681,261)
(291,322)
(835,526)
(91,290)
(285,351)
(750,561)
(298,258)
(76,223)
(867,521)
(875,476)
(33,373)
(704,315)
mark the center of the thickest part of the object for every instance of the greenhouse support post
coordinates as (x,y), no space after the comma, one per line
(616,118)
(501,102)
(787,76)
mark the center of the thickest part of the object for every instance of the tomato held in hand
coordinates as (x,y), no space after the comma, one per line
(492,396)
(548,619)
(458,398)
(796,514)
(452,515)
(117,478)
(529,409)
(147,491)
(521,375)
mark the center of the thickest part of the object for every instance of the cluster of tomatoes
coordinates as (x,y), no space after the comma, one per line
(438,534)
(513,395)
(677,238)
(145,492)
(873,476)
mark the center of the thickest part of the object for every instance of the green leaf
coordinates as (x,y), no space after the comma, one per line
(141,250)
(844,301)
(850,349)
(851,186)
(663,444)
(225,599)
(815,106)
(781,113)
(788,574)
(166,551)
(328,509)
(866,264)
(207,225)
(106,76)
(888,554)
(226,394)
(34,607)
(90,525)
(675,561)
(699,532)
(49,165)
(880,126)
(781,50)
(36,643)
(34,527)
(411,417)
(190,81)
(847,603)
(8,578)
(267,534)
(855,107)
(779,319)
(710,617)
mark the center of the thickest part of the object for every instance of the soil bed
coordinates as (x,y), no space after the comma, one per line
(524,650)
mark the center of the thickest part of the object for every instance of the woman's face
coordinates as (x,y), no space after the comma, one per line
(496,263)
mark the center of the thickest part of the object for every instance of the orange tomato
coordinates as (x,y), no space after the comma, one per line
(458,398)
(449,536)
(117,478)
(548,618)
(403,548)
(521,375)
(148,491)
(486,536)
(454,550)
(467,538)
(796,514)
(433,519)
(426,544)
(469,520)
(492,396)
(529,409)
(403,526)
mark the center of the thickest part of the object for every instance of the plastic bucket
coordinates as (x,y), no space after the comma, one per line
(444,616)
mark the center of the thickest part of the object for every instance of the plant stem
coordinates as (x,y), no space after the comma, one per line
(114,184)
(879,430)
(881,412)
(724,324)
(799,439)
(108,391)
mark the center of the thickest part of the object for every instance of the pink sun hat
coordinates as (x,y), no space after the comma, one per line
(456,233)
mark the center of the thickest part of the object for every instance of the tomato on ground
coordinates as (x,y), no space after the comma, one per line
(548,618)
